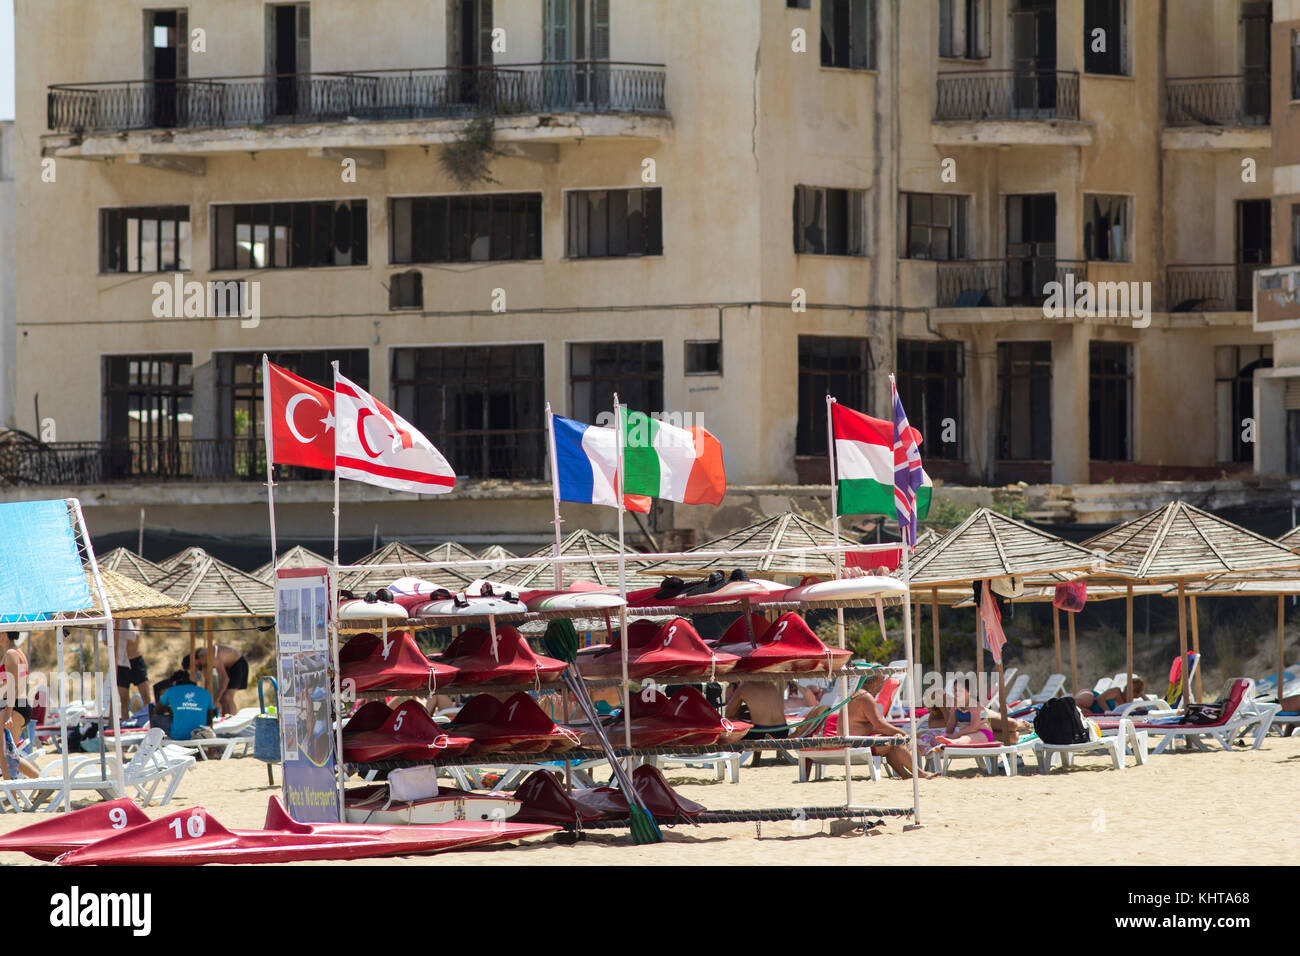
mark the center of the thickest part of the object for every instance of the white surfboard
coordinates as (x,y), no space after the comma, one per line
(845,589)
(576,601)
(756,590)
(359,610)
(440,809)
(477,607)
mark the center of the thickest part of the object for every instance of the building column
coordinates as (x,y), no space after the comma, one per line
(982,418)
(1270,423)
(1070,404)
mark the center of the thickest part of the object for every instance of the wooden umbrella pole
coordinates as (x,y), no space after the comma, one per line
(1196,643)
(934,625)
(916,629)
(1128,640)
(979,647)
(1074,657)
(1056,635)
(193,642)
(207,655)
(1281,642)
(1182,648)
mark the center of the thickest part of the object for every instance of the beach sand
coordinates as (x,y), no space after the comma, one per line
(1181,808)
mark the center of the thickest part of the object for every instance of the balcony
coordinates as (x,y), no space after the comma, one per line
(1221,287)
(510,455)
(1217,112)
(1001,283)
(383,108)
(1007,108)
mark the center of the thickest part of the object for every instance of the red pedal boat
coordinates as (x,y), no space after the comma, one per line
(546,801)
(516,725)
(787,645)
(671,650)
(375,732)
(689,711)
(192,837)
(69,831)
(370,663)
(511,661)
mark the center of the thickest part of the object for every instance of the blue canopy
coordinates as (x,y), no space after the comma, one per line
(40,567)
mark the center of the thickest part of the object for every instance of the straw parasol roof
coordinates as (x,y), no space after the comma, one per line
(1291,539)
(213,588)
(787,530)
(396,552)
(450,551)
(581,542)
(130,564)
(129,598)
(989,544)
(295,557)
(498,554)
(1182,541)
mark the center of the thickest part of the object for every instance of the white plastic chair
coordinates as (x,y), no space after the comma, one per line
(1126,739)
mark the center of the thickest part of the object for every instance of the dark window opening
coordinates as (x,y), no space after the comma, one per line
(1025,401)
(1106,228)
(830,366)
(964,29)
(144,239)
(607,223)
(1234,386)
(465,228)
(935,225)
(635,370)
(848,34)
(1110,401)
(931,384)
(406,290)
(293,235)
(148,414)
(830,222)
(704,357)
(1103,52)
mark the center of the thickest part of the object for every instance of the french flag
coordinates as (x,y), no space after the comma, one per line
(586,465)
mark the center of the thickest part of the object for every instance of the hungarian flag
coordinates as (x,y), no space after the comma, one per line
(586,465)
(380,447)
(864,465)
(665,461)
(302,419)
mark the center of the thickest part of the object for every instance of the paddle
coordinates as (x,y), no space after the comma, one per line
(561,642)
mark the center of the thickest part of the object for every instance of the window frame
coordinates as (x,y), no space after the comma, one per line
(1100,441)
(1037,370)
(975,20)
(577,232)
(686,351)
(812,428)
(448,244)
(801,193)
(304,226)
(1090,238)
(1240,394)
(114,229)
(595,380)
(914,387)
(174,393)
(1124,64)
(831,47)
(959,228)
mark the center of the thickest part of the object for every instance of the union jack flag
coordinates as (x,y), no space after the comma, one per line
(908,473)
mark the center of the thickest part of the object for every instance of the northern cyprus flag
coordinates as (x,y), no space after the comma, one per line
(864,462)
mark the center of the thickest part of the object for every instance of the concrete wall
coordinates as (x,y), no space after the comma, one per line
(8,289)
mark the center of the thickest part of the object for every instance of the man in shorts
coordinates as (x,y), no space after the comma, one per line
(131,669)
(765,706)
(232,673)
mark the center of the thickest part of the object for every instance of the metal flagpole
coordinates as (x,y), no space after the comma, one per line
(622,582)
(336,470)
(266,440)
(908,544)
(332,576)
(843,720)
(555,493)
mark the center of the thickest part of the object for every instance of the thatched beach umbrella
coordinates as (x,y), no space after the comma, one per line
(990,545)
(1178,543)
(131,565)
(130,599)
(502,557)
(577,543)
(787,530)
(295,557)
(395,552)
(450,551)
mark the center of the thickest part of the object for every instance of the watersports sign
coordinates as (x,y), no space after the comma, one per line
(306,721)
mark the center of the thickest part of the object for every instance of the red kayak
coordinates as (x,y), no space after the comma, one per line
(673,649)
(192,837)
(511,661)
(69,831)
(787,645)
(398,664)
(517,725)
(376,732)
(546,801)
(689,711)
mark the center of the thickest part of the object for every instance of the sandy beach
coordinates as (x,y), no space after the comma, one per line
(1181,808)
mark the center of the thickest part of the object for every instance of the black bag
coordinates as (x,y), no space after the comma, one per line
(1203,714)
(1059,722)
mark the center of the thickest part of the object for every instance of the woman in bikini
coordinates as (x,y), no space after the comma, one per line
(966,724)
(17,709)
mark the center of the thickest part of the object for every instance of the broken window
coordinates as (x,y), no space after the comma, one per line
(848,30)
(1106,228)
(1024,401)
(1295,64)
(935,226)
(144,239)
(1104,37)
(406,290)
(1234,392)
(830,222)
(148,414)
(704,357)
(964,29)
(635,370)
(294,235)
(475,228)
(830,366)
(606,223)
(481,406)
(1110,401)
(931,381)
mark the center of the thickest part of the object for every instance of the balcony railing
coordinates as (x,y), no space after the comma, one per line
(586,86)
(1218,101)
(507,455)
(1220,287)
(998,283)
(1007,95)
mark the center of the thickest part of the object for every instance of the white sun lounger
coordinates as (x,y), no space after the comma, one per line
(721,762)
(1051,688)
(1006,756)
(1127,739)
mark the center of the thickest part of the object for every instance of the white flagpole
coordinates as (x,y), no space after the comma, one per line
(336,469)
(266,440)
(843,719)
(555,493)
(622,583)
(907,645)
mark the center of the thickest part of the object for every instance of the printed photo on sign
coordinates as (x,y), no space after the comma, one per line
(286,681)
(288,619)
(290,725)
(322,615)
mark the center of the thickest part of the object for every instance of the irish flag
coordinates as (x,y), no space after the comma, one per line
(864,462)
(665,461)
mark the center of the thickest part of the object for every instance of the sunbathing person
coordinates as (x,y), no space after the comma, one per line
(966,724)
(866,720)
(1091,702)
(766,711)
(17,710)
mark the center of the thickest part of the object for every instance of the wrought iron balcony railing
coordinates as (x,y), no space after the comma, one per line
(1218,101)
(580,86)
(998,283)
(1007,95)
(1219,287)
(498,454)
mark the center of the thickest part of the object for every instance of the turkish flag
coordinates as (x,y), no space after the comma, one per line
(302,420)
